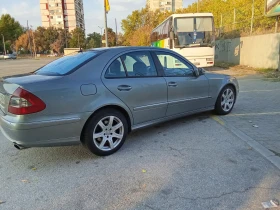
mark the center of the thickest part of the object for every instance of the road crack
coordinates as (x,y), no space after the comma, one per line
(227,193)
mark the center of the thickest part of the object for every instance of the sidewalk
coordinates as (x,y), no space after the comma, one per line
(257,110)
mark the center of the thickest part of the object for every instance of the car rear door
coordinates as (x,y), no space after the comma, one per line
(133,78)
(186,91)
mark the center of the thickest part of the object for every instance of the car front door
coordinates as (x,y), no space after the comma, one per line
(134,79)
(186,91)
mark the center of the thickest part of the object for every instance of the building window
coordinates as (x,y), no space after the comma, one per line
(51,17)
(59,16)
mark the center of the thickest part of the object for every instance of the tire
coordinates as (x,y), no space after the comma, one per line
(98,137)
(225,101)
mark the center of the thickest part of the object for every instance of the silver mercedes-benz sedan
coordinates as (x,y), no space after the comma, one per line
(97,97)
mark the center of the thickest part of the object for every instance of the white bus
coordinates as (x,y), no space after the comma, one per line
(192,35)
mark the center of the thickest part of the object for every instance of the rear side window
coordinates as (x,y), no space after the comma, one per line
(135,64)
(115,70)
(66,64)
(139,64)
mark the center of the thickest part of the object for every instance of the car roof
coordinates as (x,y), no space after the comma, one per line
(121,49)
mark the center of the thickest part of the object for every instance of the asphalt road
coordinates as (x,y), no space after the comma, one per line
(190,163)
(21,66)
(257,111)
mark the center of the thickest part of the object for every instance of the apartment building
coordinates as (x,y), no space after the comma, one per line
(170,5)
(66,14)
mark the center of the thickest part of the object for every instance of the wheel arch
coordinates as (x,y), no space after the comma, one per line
(116,107)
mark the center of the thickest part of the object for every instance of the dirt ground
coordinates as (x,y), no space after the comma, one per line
(244,71)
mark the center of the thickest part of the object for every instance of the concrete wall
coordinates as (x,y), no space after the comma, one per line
(260,51)
(69,51)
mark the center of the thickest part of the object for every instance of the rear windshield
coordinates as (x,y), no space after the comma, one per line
(67,64)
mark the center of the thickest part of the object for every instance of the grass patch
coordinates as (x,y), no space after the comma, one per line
(224,65)
(270,73)
(276,153)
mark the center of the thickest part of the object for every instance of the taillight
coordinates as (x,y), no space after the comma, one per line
(23,102)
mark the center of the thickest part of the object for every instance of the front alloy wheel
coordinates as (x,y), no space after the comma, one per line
(225,101)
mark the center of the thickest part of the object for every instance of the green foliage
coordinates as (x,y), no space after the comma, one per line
(139,25)
(111,37)
(77,38)
(139,22)
(93,40)
(11,30)
(223,11)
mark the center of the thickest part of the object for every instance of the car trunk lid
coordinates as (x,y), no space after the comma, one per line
(8,86)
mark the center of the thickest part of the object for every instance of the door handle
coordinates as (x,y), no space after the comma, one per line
(172,84)
(124,88)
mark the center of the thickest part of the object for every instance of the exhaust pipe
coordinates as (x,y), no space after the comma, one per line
(19,147)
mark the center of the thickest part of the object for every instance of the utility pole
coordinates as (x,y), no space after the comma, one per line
(221,25)
(252,18)
(66,40)
(101,34)
(101,30)
(276,24)
(106,30)
(116,31)
(234,17)
(79,40)
(4,44)
(29,39)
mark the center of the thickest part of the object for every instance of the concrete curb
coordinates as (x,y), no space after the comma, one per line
(275,160)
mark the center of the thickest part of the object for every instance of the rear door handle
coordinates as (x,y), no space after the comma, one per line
(172,84)
(124,88)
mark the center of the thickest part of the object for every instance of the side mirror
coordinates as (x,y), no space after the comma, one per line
(201,71)
(196,72)
(171,35)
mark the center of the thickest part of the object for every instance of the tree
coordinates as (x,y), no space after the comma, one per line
(111,37)
(41,43)
(77,38)
(93,40)
(22,43)
(50,35)
(141,37)
(120,41)
(140,23)
(61,40)
(10,28)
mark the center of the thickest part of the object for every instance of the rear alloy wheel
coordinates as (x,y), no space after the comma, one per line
(225,101)
(106,132)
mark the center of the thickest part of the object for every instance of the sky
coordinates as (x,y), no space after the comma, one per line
(23,10)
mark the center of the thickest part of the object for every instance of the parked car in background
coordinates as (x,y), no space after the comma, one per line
(52,55)
(97,97)
(10,56)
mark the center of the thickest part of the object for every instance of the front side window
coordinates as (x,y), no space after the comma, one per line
(174,66)
(139,64)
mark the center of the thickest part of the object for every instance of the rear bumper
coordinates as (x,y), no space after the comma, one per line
(55,132)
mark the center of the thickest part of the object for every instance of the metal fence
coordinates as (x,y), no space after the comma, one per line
(247,27)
